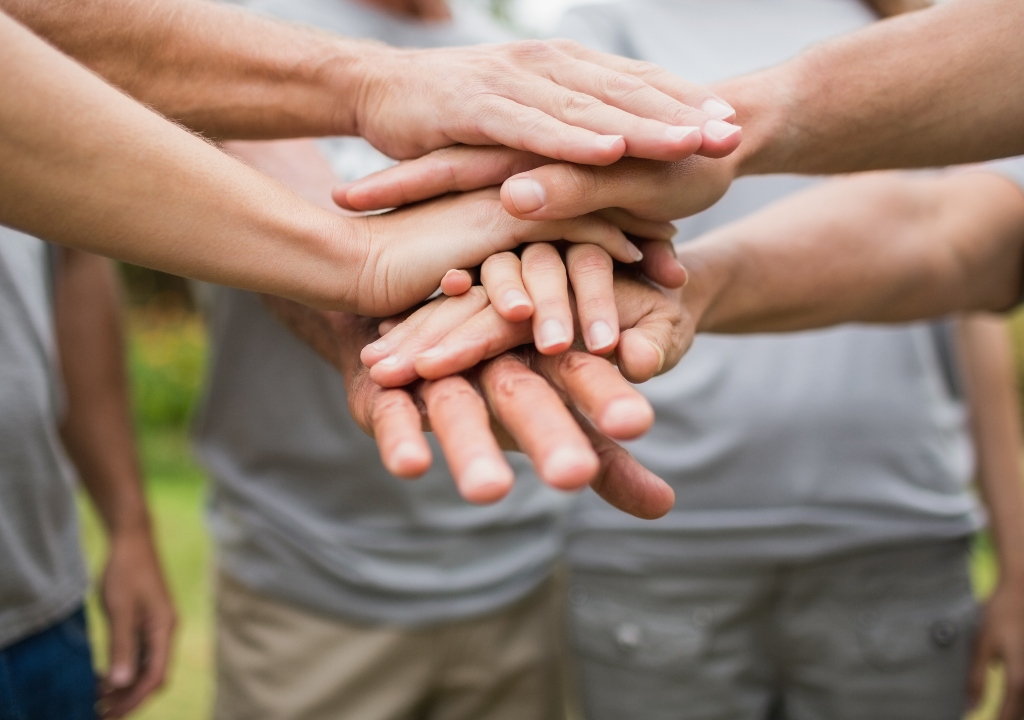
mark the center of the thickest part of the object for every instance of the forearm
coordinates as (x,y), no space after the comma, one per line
(926,89)
(217,69)
(97,429)
(87,167)
(990,378)
(876,248)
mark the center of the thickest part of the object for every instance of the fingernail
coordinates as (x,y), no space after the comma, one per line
(552,333)
(627,415)
(718,130)
(486,479)
(120,675)
(404,453)
(680,132)
(718,109)
(389,361)
(567,468)
(661,357)
(431,353)
(601,335)
(608,141)
(380,345)
(527,195)
(515,299)
(634,252)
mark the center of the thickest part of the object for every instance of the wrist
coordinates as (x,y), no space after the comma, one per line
(709,269)
(766,105)
(350,73)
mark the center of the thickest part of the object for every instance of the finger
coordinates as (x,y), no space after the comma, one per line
(484,336)
(580,229)
(124,648)
(398,428)
(626,484)
(690,95)
(545,281)
(385,345)
(631,224)
(540,423)
(456,169)
(158,631)
(978,676)
(524,127)
(456,282)
(387,325)
(597,390)
(462,425)
(655,125)
(661,265)
(1013,693)
(585,105)
(502,278)
(399,367)
(590,270)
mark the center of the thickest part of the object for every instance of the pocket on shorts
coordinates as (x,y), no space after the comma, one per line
(632,636)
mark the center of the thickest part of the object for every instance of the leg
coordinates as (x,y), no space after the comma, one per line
(276,661)
(49,675)
(879,635)
(687,645)
(506,665)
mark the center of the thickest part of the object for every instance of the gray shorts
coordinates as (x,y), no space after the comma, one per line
(877,635)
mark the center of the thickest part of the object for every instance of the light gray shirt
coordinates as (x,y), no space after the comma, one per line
(42,573)
(302,509)
(789,446)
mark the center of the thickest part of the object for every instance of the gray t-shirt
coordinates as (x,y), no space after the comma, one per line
(788,446)
(42,573)
(302,508)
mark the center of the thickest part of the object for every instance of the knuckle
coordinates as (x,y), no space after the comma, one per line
(572,362)
(574,104)
(512,383)
(586,261)
(454,393)
(530,50)
(622,84)
(640,68)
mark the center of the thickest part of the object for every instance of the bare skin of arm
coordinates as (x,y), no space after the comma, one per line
(100,440)
(233,74)
(929,88)
(990,377)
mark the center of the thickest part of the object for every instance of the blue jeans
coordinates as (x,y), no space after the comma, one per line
(49,675)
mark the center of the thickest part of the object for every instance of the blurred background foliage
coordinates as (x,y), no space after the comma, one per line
(167,347)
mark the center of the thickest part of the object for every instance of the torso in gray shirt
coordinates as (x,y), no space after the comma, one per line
(302,508)
(42,573)
(790,446)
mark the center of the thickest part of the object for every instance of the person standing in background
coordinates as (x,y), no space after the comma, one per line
(64,417)
(815,564)
(343,591)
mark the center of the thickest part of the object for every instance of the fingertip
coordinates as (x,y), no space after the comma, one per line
(601,338)
(515,306)
(393,371)
(639,358)
(569,468)
(626,418)
(720,139)
(374,352)
(408,459)
(120,675)
(658,506)
(485,480)
(456,282)
(339,194)
(719,109)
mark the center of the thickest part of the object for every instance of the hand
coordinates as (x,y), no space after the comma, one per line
(141,621)
(1002,640)
(450,335)
(408,251)
(514,401)
(556,98)
(536,188)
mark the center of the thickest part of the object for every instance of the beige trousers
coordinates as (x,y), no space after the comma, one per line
(276,661)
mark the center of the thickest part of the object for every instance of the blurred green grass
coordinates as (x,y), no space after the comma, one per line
(168,353)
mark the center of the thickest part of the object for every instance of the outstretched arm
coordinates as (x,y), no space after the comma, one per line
(230,73)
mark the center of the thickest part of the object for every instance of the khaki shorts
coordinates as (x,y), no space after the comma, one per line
(276,661)
(875,635)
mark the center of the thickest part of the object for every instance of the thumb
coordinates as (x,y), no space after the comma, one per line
(124,649)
